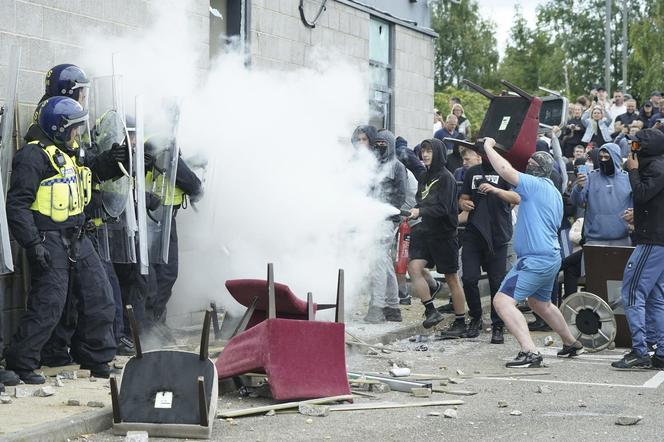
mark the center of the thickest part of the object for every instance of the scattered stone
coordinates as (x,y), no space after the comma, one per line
(543,389)
(21,392)
(70,375)
(93,379)
(477,372)
(314,410)
(582,405)
(58,382)
(628,420)
(399,371)
(460,372)
(456,381)
(372,352)
(443,383)
(515,413)
(442,367)
(379,388)
(45,391)
(422,347)
(309,421)
(502,404)
(73,402)
(137,436)
(450,413)
(548,341)
(118,365)
(96,404)
(420,392)
(433,413)
(271,413)
(232,421)
(400,363)
(4,399)
(83,373)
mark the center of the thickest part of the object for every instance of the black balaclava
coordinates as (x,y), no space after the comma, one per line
(607,167)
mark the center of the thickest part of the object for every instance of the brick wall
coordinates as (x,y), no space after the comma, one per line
(280,40)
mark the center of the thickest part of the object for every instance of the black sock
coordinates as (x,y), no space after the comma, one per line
(433,285)
(428,306)
(460,318)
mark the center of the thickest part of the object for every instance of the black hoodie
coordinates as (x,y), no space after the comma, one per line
(437,196)
(648,189)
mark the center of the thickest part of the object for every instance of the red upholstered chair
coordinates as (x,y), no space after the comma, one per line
(302,358)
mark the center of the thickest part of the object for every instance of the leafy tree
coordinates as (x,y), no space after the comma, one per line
(466,46)
(646,67)
(519,64)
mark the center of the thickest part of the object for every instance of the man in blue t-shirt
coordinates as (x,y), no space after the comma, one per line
(538,255)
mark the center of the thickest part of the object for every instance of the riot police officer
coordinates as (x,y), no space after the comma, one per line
(45,201)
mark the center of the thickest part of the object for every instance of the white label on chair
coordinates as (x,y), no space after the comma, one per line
(163,399)
(504,123)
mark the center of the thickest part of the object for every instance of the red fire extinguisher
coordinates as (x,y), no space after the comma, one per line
(403,242)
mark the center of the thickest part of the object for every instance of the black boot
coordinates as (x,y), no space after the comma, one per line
(392,314)
(538,324)
(9,378)
(497,335)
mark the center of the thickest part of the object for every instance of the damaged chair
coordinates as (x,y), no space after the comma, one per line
(165,392)
(301,357)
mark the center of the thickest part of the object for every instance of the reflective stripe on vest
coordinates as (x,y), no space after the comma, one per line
(67,192)
(168,198)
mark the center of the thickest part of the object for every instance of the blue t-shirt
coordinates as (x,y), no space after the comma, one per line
(539,217)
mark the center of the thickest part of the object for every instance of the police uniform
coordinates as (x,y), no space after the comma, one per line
(45,203)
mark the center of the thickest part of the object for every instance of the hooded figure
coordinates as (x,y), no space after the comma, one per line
(437,194)
(647,186)
(605,197)
(369,131)
(392,189)
(409,158)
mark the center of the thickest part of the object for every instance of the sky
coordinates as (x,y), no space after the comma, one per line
(502,13)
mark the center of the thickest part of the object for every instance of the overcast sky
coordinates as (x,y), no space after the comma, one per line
(502,13)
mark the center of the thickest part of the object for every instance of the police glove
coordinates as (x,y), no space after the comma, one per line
(119,153)
(152,201)
(40,254)
(196,197)
(148,161)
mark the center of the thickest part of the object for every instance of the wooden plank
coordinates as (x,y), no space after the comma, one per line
(453,392)
(507,374)
(388,405)
(283,406)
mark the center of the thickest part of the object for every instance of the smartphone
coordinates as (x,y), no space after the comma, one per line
(582,169)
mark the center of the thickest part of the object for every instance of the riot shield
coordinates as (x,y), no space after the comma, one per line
(116,235)
(141,211)
(8,145)
(165,152)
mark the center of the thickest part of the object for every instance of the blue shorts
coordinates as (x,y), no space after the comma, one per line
(531,276)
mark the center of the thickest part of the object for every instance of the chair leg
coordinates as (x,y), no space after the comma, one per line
(205,335)
(134,331)
(272,307)
(242,326)
(311,316)
(339,316)
(202,403)
(115,400)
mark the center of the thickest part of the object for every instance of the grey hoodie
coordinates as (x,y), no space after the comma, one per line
(392,188)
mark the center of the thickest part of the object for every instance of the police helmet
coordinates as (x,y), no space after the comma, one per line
(58,116)
(66,80)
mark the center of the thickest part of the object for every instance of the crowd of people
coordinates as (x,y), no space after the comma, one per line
(57,212)
(598,180)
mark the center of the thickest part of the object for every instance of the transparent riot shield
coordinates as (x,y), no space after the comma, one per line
(116,235)
(165,152)
(8,145)
(141,211)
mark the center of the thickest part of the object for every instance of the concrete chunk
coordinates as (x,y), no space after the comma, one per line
(96,404)
(21,392)
(137,436)
(502,404)
(45,391)
(314,410)
(73,402)
(380,388)
(421,392)
(628,420)
(4,399)
(450,413)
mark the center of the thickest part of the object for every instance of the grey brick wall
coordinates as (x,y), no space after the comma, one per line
(280,40)
(51,32)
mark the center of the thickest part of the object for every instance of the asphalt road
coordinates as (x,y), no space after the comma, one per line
(582,402)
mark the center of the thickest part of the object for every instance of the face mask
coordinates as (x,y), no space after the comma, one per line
(533,170)
(607,167)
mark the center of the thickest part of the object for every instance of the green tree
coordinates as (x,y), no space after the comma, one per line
(519,64)
(646,67)
(466,46)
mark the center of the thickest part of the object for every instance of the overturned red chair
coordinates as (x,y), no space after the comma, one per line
(302,358)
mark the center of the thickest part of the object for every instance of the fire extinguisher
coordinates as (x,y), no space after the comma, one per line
(403,242)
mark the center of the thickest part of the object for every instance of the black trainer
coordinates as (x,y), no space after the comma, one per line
(570,351)
(497,334)
(447,308)
(632,360)
(125,347)
(392,314)
(474,328)
(30,377)
(538,325)
(524,307)
(652,347)
(657,362)
(526,360)
(99,370)
(432,317)
(435,292)
(9,378)
(405,299)
(456,330)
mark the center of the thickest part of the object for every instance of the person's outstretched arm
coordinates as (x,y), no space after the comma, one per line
(500,164)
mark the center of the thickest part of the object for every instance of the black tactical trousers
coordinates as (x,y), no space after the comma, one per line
(44,332)
(475,255)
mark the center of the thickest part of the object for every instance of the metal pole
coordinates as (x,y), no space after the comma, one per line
(625,41)
(607,49)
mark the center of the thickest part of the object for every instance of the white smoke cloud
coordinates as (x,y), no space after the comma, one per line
(282,183)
